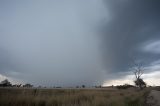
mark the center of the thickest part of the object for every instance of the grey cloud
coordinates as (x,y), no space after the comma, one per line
(151,47)
(52,43)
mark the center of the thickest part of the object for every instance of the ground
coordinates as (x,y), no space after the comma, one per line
(153,99)
(73,97)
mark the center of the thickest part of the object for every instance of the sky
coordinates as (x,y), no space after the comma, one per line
(87,42)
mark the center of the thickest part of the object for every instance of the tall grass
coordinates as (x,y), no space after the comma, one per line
(71,97)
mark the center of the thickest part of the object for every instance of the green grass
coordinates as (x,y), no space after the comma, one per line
(71,97)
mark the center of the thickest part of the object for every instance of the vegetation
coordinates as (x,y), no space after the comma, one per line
(6,83)
(71,97)
(138,72)
(28,85)
(139,82)
(125,86)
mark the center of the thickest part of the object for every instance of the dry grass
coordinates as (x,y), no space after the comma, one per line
(71,97)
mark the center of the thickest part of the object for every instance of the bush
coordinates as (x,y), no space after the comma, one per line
(125,86)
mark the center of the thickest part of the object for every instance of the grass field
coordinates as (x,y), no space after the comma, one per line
(71,97)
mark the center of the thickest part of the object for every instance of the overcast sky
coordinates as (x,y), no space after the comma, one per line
(75,42)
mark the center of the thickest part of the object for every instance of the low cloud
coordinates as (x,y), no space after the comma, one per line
(152,47)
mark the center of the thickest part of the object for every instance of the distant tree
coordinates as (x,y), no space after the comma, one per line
(83,86)
(28,85)
(17,85)
(5,83)
(125,86)
(138,72)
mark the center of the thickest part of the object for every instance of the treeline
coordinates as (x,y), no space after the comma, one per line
(125,86)
(6,83)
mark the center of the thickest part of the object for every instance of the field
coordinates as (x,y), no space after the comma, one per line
(72,97)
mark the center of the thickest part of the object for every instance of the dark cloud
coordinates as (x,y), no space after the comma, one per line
(132,23)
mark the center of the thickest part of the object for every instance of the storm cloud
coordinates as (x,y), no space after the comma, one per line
(132,26)
(69,43)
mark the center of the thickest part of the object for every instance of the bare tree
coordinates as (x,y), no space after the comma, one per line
(138,72)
